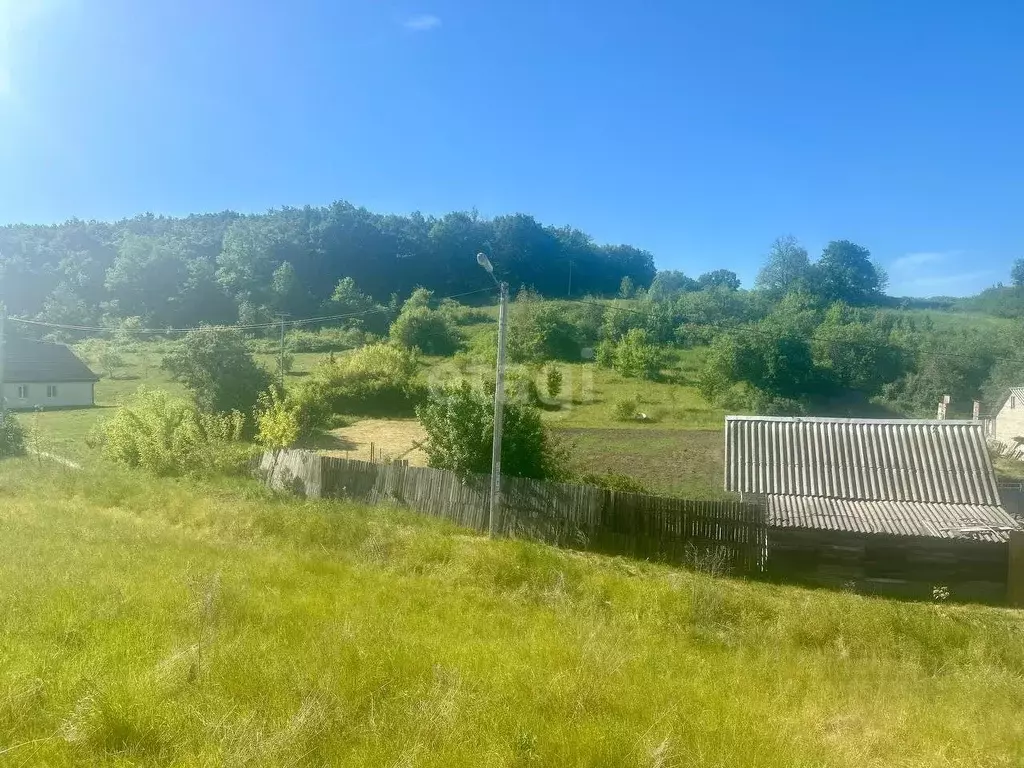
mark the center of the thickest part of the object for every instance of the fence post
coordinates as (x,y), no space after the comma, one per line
(1015,577)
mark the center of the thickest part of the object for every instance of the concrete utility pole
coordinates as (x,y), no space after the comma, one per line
(494,523)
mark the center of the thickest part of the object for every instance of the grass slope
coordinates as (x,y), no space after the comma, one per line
(157,622)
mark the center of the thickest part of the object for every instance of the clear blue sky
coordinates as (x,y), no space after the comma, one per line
(699,131)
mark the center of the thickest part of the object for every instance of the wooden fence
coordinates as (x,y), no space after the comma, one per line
(731,534)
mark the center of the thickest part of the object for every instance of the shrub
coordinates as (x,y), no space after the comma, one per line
(459,422)
(326,340)
(626,409)
(553,378)
(377,380)
(218,369)
(459,314)
(541,330)
(12,436)
(420,298)
(171,436)
(278,420)
(427,330)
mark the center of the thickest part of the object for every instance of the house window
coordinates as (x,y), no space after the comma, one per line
(51,390)
(23,391)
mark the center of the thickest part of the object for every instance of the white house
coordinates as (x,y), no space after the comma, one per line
(1007,425)
(40,374)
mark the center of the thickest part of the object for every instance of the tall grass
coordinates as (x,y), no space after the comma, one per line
(153,622)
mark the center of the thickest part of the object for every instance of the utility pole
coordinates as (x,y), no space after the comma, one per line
(280,362)
(494,522)
(499,413)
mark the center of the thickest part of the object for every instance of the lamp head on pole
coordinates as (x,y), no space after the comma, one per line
(483,261)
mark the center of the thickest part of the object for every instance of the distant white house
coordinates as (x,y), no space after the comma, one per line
(1007,425)
(40,374)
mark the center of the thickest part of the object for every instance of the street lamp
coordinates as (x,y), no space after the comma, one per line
(499,396)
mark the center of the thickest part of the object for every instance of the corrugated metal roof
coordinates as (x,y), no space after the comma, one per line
(860,459)
(38,362)
(905,518)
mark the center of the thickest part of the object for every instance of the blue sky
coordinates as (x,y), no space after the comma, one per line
(700,131)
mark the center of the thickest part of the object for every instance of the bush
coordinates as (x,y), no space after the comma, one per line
(171,436)
(427,330)
(216,366)
(377,380)
(279,422)
(12,436)
(636,357)
(459,314)
(553,378)
(459,422)
(326,340)
(541,330)
(627,408)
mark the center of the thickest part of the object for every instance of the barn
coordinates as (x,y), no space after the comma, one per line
(890,505)
(39,374)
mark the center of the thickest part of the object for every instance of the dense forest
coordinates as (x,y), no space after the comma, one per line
(227,267)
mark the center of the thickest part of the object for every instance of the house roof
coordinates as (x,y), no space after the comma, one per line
(925,461)
(906,518)
(38,362)
(1017,392)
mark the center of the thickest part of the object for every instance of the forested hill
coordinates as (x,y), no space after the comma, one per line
(228,267)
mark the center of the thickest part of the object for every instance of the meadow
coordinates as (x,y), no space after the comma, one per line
(162,622)
(584,414)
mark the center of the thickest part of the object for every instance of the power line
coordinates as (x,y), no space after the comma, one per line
(246,327)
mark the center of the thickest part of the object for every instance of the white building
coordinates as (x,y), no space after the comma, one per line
(1007,425)
(39,374)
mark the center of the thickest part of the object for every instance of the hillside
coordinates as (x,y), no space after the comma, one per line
(162,622)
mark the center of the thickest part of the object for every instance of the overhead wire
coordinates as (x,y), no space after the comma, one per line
(235,327)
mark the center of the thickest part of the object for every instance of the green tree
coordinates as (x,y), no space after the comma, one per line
(636,357)
(787,269)
(375,380)
(1017,273)
(286,292)
(216,367)
(626,288)
(421,298)
(774,362)
(857,355)
(719,278)
(459,422)
(846,273)
(553,379)
(427,330)
(12,436)
(670,283)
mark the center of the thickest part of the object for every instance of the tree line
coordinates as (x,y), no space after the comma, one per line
(228,267)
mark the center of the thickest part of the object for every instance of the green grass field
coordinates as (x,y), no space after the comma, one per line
(588,402)
(155,622)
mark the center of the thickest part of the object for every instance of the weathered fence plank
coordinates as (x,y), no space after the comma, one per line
(582,517)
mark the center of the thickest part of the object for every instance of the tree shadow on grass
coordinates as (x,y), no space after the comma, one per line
(328,441)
